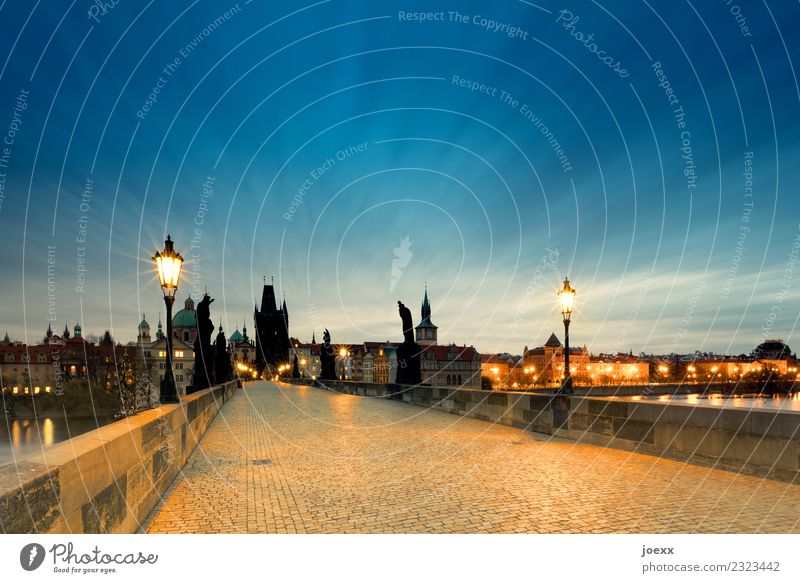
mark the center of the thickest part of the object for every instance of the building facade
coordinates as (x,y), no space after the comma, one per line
(500,370)
(546,362)
(308,360)
(242,349)
(151,354)
(48,367)
(448,365)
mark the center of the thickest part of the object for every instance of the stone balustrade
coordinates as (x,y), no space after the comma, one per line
(107,480)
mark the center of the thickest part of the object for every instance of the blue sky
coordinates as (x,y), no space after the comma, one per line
(305,141)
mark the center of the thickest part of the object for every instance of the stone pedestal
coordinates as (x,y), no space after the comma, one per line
(327,363)
(408,364)
(560,407)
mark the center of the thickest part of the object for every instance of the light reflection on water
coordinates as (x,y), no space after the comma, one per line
(783,403)
(25,436)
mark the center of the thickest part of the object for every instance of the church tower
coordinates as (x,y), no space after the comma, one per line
(272,331)
(426,331)
(144,331)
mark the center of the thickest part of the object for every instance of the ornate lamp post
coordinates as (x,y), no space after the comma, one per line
(169,265)
(567,299)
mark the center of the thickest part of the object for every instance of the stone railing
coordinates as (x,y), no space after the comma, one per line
(107,480)
(760,442)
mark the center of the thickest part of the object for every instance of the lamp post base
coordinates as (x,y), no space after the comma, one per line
(169,392)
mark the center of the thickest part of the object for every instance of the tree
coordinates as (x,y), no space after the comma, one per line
(127,386)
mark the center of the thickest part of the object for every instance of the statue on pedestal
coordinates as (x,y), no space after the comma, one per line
(327,359)
(203,353)
(223,370)
(408,359)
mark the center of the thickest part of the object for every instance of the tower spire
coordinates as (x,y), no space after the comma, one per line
(426,331)
(426,304)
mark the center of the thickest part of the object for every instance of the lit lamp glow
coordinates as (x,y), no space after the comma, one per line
(343,354)
(567,299)
(168,264)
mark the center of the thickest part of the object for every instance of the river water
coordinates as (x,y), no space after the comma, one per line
(779,403)
(20,437)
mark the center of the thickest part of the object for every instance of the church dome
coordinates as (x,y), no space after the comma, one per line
(236,336)
(187,317)
(772,350)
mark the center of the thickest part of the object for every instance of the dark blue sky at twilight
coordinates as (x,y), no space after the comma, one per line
(306,141)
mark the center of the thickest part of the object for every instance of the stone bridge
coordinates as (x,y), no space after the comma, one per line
(282,458)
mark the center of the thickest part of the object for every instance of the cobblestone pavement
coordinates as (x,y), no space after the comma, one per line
(288,459)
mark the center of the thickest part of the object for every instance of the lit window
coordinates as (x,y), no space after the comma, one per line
(162,353)
(15,390)
(36,390)
(47,389)
(179,354)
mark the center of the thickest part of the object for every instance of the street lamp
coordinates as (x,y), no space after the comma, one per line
(169,265)
(567,299)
